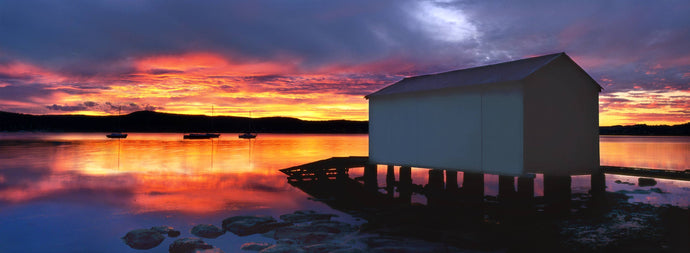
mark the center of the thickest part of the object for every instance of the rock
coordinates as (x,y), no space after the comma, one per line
(166,230)
(305,216)
(258,219)
(621,182)
(314,233)
(642,182)
(404,245)
(207,231)
(191,245)
(278,248)
(302,235)
(324,247)
(248,225)
(347,250)
(143,238)
(332,227)
(286,242)
(255,246)
(657,190)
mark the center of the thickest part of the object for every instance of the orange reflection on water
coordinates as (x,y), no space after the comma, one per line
(163,172)
(656,152)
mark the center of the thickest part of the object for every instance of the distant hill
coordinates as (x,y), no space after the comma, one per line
(675,130)
(148,121)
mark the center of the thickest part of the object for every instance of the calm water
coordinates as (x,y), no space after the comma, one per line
(82,192)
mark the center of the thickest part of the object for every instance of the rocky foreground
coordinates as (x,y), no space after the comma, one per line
(302,231)
(618,226)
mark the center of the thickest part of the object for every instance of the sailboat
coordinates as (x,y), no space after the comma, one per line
(117,135)
(248,134)
(203,135)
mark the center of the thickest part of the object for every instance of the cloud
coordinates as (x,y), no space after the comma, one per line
(66,108)
(180,54)
(164,71)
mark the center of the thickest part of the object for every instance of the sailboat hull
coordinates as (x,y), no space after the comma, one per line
(247,136)
(116,135)
(201,136)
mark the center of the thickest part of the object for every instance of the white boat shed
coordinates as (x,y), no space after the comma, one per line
(535,115)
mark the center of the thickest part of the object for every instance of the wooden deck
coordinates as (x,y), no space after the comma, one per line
(333,167)
(641,172)
(329,168)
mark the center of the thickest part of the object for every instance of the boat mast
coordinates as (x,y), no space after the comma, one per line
(119,119)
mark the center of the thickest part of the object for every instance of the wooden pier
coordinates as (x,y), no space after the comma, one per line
(641,172)
(329,168)
(332,167)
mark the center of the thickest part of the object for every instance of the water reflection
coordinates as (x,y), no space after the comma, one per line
(75,186)
(453,207)
(161,172)
(656,152)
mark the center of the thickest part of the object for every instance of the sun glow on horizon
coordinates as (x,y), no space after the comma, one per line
(194,83)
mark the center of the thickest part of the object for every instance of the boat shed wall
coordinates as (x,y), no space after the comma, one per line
(561,120)
(472,129)
(535,115)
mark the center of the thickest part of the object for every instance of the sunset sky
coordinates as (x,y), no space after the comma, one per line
(317,59)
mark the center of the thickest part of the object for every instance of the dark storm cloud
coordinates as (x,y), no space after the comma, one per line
(72,108)
(80,36)
(86,36)
(164,71)
(24,92)
(66,108)
(631,43)
(129,107)
(618,40)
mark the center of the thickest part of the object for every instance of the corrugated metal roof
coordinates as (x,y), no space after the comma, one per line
(496,73)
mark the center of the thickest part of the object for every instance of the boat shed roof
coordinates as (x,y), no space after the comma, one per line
(496,73)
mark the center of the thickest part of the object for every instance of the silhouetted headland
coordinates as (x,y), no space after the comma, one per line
(148,121)
(642,129)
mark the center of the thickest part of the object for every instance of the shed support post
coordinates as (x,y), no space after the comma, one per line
(557,193)
(598,186)
(434,188)
(390,181)
(473,187)
(370,180)
(451,181)
(525,194)
(506,187)
(405,184)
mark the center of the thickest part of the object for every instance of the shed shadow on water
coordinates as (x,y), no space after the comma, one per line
(460,213)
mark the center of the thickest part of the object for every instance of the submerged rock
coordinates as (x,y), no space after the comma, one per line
(143,238)
(332,227)
(642,182)
(207,231)
(192,245)
(305,216)
(166,230)
(621,182)
(315,233)
(248,225)
(657,190)
(404,245)
(325,247)
(255,246)
(302,235)
(282,248)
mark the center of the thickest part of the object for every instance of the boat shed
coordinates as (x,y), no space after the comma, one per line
(534,115)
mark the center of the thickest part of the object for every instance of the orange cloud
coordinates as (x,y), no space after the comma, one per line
(192,83)
(644,107)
